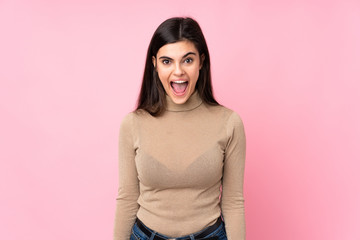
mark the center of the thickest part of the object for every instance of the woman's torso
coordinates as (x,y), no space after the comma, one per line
(179,161)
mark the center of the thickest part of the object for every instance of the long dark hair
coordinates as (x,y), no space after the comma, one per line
(152,94)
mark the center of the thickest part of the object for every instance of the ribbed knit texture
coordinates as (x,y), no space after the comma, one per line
(171,168)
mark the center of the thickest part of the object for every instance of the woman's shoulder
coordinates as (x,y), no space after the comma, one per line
(129,116)
(127,121)
(233,122)
(228,114)
(134,116)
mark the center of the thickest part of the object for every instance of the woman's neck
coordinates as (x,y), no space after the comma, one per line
(193,102)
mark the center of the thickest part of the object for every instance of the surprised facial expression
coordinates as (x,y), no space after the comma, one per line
(178,65)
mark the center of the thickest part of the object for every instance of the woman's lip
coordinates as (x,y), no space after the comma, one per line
(179,81)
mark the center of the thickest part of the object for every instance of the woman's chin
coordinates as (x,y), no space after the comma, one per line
(179,98)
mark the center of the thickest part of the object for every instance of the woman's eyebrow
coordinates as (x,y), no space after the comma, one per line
(189,53)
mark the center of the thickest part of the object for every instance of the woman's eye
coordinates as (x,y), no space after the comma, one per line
(188,60)
(166,61)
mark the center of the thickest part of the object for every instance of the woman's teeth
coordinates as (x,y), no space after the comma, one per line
(179,81)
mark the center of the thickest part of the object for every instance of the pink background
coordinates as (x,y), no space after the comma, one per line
(70,70)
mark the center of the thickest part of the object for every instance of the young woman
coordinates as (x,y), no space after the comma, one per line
(180,150)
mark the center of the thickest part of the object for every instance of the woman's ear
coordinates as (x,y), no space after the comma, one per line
(154,62)
(202,58)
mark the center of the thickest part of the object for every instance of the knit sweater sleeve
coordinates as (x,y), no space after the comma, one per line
(128,186)
(232,203)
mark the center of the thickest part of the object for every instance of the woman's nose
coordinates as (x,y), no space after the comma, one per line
(178,69)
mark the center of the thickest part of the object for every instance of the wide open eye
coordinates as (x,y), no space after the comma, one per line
(166,61)
(188,60)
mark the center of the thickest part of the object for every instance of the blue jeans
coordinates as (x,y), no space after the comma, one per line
(137,234)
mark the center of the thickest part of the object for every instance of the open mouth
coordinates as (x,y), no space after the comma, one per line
(179,87)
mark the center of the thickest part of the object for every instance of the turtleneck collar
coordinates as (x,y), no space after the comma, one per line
(193,102)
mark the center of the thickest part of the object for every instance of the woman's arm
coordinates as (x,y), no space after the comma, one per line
(128,190)
(232,203)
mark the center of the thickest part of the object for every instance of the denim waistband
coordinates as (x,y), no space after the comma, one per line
(142,232)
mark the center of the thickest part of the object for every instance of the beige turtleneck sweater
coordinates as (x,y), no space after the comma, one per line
(171,168)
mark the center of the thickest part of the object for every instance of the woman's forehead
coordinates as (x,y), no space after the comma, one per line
(177,49)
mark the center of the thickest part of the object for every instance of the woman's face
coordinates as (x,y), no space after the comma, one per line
(178,65)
